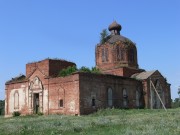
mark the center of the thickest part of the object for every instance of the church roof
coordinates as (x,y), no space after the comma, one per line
(143,75)
(114,38)
(17,79)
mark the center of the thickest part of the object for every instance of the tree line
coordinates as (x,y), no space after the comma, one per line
(2,105)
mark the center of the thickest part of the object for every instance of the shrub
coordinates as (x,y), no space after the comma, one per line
(67,71)
(16,113)
(40,113)
(84,69)
(95,70)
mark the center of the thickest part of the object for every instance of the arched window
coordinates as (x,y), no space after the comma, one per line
(120,53)
(16,100)
(125,98)
(104,54)
(138,97)
(93,102)
(110,98)
(131,55)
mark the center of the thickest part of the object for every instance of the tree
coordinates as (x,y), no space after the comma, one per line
(2,104)
(175,103)
(67,71)
(104,34)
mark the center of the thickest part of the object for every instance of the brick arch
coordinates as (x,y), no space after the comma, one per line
(36,91)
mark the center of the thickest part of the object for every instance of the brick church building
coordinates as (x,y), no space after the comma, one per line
(121,83)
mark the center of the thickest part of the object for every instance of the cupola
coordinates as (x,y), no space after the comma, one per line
(115,28)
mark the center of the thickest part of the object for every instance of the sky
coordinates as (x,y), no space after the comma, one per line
(32,30)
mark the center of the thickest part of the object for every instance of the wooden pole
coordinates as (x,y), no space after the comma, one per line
(151,95)
(158,96)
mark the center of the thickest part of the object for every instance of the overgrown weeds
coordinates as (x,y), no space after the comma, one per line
(107,121)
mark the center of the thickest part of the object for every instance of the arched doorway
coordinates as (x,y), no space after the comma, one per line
(36,96)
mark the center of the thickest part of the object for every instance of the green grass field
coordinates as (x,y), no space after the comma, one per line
(104,122)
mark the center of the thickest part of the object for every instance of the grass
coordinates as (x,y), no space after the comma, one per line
(103,122)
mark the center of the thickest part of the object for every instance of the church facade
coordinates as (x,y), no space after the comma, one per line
(121,83)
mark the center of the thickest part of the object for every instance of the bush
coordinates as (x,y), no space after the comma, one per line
(40,113)
(67,71)
(95,70)
(16,113)
(84,69)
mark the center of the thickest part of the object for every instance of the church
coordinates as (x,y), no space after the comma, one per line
(121,83)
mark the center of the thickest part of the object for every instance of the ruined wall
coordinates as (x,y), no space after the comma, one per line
(94,88)
(165,89)
(16,98)
(64,95)
(50,91)
(48,67)
(124,71)
(55,66)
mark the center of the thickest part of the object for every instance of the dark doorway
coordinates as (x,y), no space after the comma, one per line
(36,103)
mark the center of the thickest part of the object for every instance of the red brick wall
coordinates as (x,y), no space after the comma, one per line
(42,65)
(55,66)
(112,63)
(96,86)
(48,67)
(8,89)
(66,89)
(165,86)
(124,71)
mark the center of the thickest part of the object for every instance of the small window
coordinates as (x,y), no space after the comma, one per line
(61,103)
(93,102)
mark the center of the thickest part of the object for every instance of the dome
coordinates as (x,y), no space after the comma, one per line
(114,26)
(115,38)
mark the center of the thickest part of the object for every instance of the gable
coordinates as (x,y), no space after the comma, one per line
(145,75)
(36,75)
